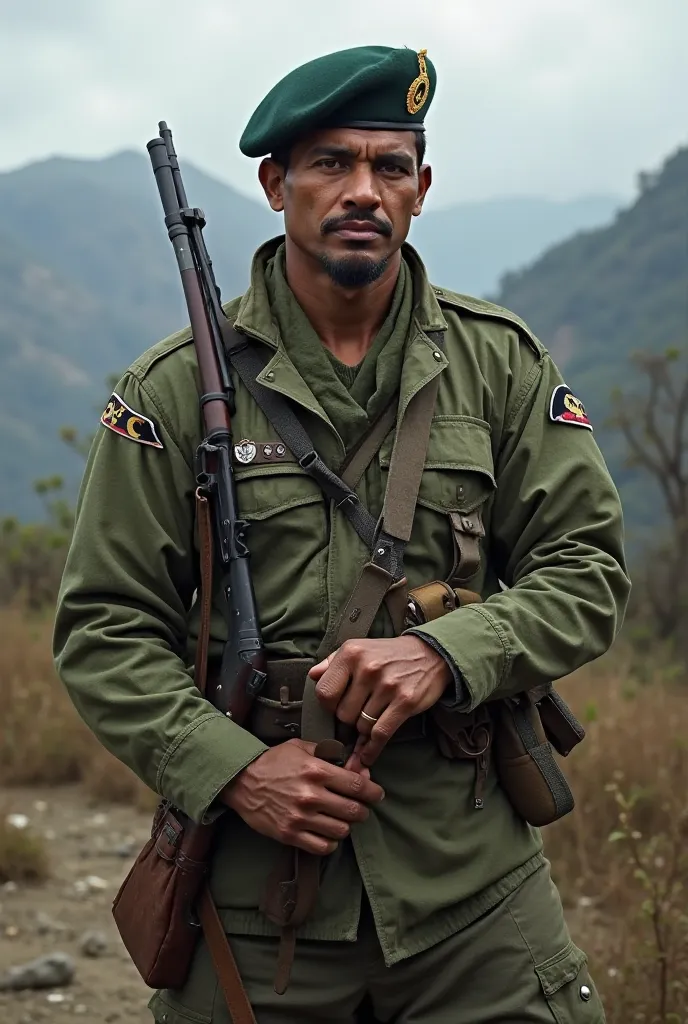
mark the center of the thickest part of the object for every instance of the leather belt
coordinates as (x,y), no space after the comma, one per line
(276,712)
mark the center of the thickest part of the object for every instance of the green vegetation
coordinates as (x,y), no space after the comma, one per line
(605,294)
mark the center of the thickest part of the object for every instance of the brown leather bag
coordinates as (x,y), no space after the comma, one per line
(164,902)
(155,908)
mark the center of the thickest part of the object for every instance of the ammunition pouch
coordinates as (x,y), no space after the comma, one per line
(520,732)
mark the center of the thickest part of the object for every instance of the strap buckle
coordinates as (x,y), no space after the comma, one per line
(353,498)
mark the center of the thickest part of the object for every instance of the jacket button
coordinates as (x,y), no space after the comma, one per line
(585,993)
(437,355)
(269,375)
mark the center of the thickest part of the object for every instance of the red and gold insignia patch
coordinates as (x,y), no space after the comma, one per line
(564,407)
(124,420)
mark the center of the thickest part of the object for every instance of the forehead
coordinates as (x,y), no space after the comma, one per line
(364,143)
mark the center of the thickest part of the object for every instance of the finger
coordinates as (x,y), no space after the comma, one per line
(380,734)
(334,681)
(328,827)
(374,708)
(312,843)
(356,696)
(317,670)
(346,810)
(354,762)
(351,784)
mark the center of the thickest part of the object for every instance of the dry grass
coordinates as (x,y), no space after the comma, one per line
(23,857)
(626,899)
(42,739)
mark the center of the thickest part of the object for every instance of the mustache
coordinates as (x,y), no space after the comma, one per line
(335,223)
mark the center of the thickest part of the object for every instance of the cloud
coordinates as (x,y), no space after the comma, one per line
(534,97)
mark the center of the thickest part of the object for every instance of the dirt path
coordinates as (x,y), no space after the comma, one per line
(91,850)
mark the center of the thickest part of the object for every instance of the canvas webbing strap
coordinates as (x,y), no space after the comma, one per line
(382,577)
(249,362)
(359,458)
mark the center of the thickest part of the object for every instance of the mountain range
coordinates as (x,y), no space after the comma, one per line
(88,280)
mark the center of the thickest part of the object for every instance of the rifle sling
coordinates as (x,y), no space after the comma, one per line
(213,931)
(249,363)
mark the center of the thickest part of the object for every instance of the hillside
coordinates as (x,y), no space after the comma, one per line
(604,294)
(88,280)
(469,245)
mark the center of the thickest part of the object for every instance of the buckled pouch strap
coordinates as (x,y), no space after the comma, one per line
(467,532)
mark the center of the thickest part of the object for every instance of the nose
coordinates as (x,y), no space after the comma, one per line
(361,189)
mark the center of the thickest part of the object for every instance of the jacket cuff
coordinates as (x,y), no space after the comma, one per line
(455,697)
(472,643)
(203,759)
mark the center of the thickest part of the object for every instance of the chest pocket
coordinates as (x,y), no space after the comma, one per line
(287,540)
(457,485)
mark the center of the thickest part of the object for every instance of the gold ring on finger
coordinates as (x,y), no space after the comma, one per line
(368,718)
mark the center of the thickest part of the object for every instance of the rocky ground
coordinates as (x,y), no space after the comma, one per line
(91,849)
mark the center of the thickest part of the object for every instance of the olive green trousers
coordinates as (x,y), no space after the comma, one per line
(515,965)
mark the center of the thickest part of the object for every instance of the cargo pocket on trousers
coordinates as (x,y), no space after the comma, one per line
(568,988)
(163,1013)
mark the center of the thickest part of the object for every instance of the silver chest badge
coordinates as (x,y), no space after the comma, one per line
(245,451)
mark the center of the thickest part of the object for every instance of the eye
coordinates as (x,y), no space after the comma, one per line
(392,168)
(330,163)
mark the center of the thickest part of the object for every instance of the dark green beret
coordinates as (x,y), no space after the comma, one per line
(375,87)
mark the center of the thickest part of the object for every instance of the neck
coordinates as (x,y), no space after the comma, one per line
(345,319)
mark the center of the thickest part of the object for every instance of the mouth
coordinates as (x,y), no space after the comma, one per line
(359,231)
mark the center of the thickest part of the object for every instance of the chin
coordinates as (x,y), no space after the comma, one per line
(354,269)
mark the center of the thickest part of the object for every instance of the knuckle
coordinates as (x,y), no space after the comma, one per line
(352,648)
(356,811)
(356,783)
(309,799)
(315,771)
(374,664)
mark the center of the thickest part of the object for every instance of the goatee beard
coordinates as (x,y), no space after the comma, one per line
(353,271)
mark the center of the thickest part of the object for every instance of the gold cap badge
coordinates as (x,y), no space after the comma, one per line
(419,90)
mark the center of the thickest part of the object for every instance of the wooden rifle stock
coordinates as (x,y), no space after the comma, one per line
(164,900)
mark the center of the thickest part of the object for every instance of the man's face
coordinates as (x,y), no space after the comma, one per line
(348,196)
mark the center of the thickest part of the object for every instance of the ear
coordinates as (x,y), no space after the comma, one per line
(271,176)
(424,183)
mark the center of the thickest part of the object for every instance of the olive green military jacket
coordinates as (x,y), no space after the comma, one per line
(552,577)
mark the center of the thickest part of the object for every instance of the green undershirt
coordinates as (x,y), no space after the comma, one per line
(350,395)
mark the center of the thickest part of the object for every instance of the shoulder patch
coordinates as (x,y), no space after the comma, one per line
(122,419)
(564,407)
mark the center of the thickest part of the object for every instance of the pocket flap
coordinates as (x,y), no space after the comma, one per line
(456,442)
(264,490)
(561,969)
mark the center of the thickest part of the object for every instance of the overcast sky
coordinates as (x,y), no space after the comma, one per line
(550,97)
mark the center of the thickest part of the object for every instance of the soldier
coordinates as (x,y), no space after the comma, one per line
(435,901)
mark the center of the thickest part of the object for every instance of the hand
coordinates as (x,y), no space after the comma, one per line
(391,680)
(289,795)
